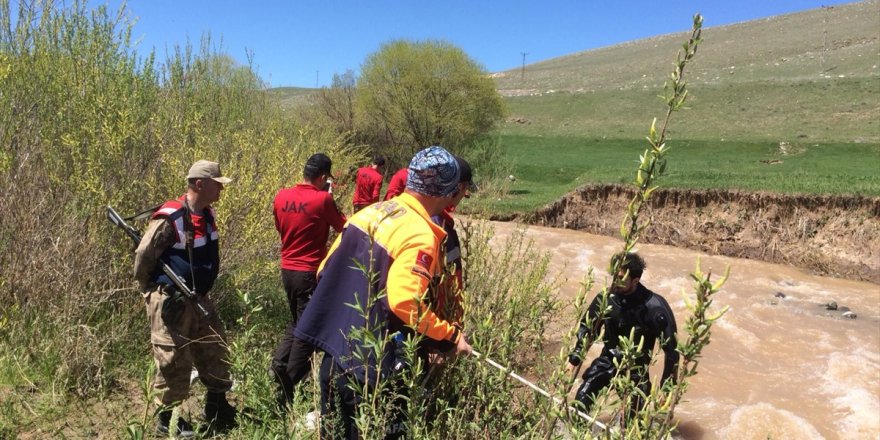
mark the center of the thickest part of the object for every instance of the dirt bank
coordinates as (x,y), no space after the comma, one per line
(829,235)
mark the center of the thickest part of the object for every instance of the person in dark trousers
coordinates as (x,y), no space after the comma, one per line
(400,242)
(186,331)
(368,184)
(303,215)
(632,306)
(397,184)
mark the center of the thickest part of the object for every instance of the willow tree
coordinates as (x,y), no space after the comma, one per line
(414,94)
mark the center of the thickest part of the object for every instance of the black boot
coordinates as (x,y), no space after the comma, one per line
(184,429)
(284,393)
(219,414)
(282,400)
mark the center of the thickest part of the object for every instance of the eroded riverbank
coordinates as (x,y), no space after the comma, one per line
(827,235)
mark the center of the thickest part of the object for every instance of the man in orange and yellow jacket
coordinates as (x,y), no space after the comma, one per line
(388,255)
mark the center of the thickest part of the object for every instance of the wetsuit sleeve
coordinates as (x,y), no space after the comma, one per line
(665,322)
(408,280)
(159,236)
(584,332)
(332,215)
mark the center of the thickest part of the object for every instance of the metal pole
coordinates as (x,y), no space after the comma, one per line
(531,385)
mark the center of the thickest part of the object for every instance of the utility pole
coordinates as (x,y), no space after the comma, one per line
(522,75)
(316,78)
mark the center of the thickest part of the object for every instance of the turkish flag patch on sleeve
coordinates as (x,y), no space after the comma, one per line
(424,259)
(423,264)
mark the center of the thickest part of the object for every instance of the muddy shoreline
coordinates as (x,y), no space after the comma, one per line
(835,236)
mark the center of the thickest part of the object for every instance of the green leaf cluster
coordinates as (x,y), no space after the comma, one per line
(412,94)
(85,121)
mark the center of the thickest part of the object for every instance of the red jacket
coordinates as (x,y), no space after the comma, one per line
(303,217)
(397,184)
(367,186)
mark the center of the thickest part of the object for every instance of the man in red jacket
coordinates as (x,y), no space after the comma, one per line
(397,184)
(303,216)
(368,184)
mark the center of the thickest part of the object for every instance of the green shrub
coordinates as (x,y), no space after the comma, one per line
(85,122)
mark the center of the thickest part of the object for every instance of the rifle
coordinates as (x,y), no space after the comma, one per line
(117,220)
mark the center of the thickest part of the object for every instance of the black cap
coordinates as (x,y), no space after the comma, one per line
(379,160)
(466,175)
(318,164)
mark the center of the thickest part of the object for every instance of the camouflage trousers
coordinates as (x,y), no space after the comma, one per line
(196,339)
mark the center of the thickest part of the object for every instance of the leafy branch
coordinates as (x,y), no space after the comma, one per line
(698,327)
(652,165)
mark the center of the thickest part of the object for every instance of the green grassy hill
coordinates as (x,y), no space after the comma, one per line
(810,76)
(290,97)
(787,104)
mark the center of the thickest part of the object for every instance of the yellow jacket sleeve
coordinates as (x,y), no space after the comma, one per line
(408,280)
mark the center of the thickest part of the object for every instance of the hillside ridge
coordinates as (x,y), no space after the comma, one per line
(782,46)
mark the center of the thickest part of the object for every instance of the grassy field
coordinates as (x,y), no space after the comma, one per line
(818,111)
(786,104)
(291,96)
(549,167)
(833,43)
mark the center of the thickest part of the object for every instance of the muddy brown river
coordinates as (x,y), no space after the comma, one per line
(780,365)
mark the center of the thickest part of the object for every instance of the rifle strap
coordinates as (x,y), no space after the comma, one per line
(143,215)
(189,232)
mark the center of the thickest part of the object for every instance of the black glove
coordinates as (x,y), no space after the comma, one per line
(574,357)
(172,307)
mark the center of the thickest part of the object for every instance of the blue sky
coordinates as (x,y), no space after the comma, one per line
(302,43)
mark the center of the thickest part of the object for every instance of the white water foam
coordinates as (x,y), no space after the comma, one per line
(848,380)
(763,421)
(738,334)
(584,257)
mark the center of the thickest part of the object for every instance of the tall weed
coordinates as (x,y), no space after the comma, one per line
(86,122)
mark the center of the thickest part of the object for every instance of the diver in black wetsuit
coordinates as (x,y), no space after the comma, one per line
(631,306)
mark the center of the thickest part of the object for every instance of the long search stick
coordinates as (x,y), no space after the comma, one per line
(541,391)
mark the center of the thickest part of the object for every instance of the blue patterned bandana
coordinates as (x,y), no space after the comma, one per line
(433,172)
